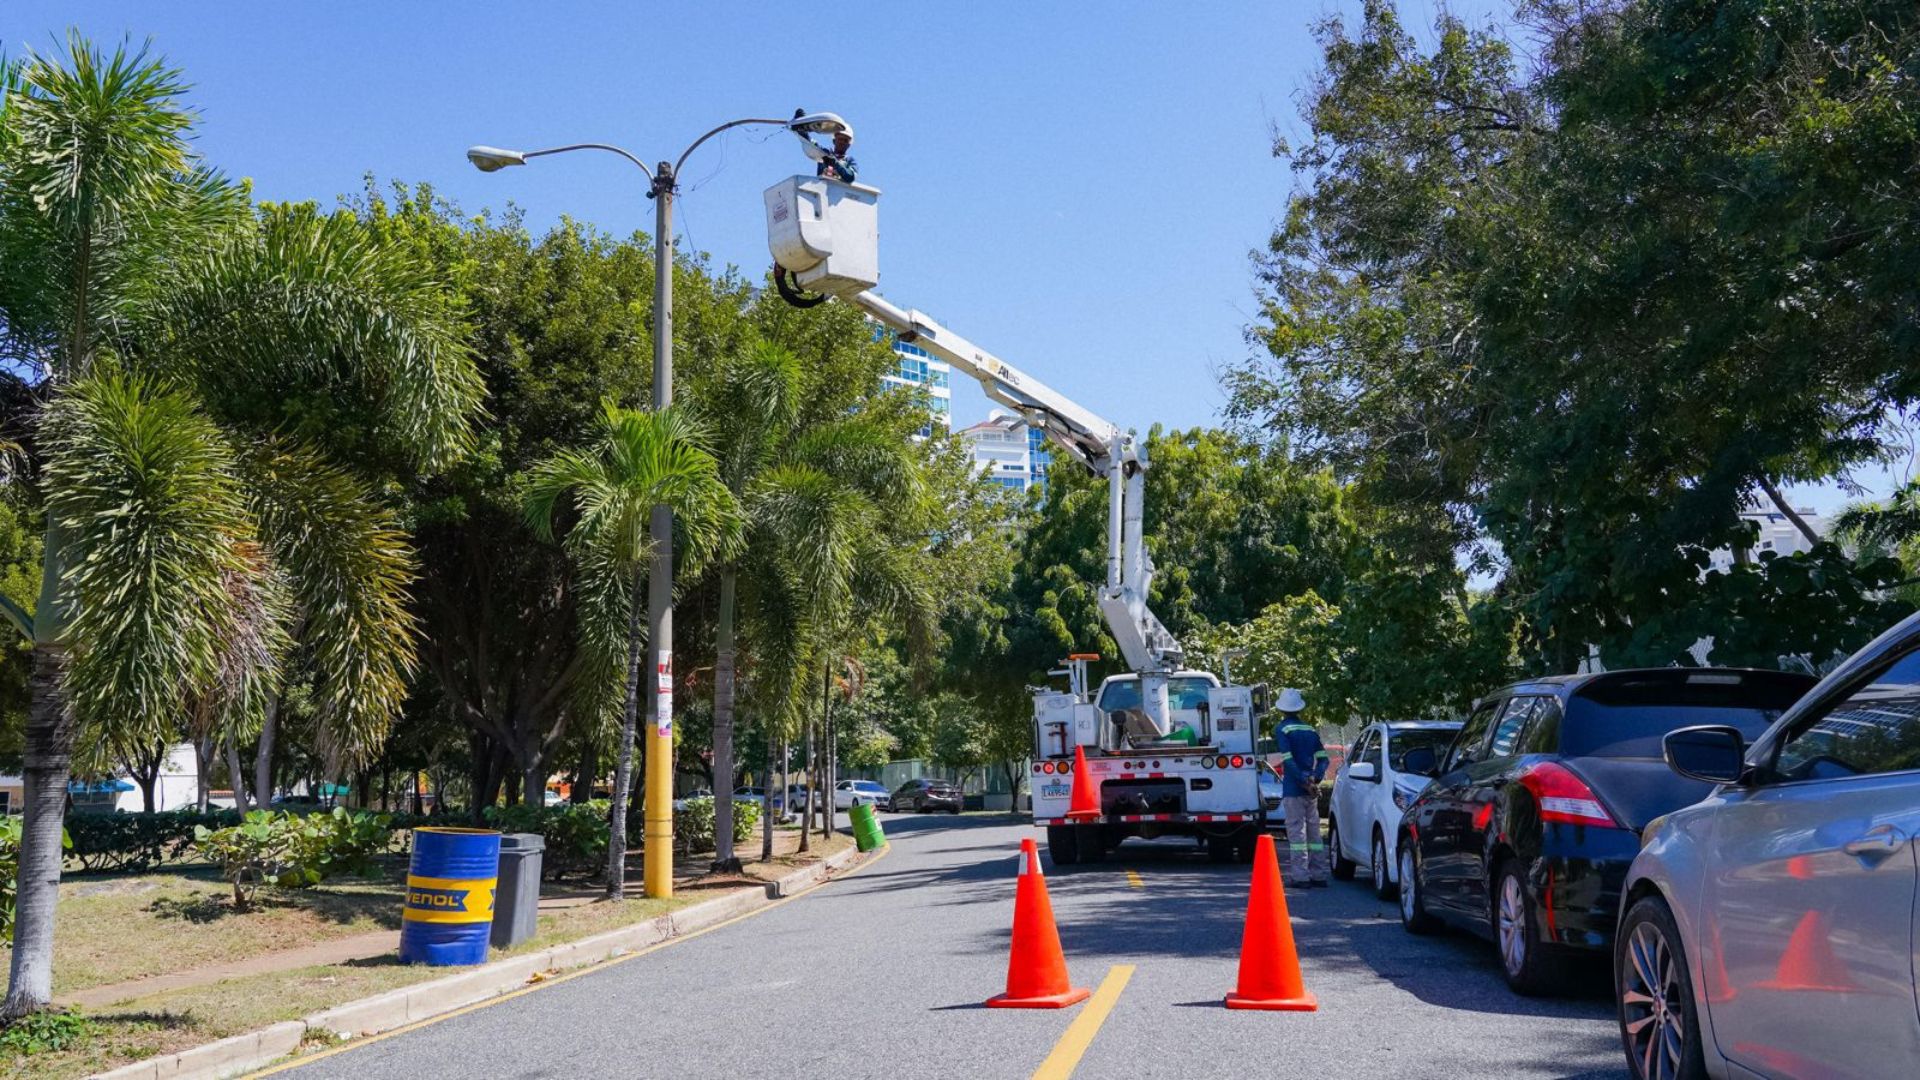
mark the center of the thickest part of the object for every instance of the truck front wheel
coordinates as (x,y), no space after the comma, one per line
(1063,844)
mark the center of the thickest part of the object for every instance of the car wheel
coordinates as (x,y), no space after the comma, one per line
(1343,867)
(955,810)
(1530,966)
(1413,901)
(1658,1024)
(1383,887)
(1063,844)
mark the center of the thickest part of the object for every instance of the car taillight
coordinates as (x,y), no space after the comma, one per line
(1564,797)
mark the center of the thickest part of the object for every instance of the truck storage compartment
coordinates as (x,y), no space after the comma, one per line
(1166,795)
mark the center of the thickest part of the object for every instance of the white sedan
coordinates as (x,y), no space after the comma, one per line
(848,794)
(1370,793)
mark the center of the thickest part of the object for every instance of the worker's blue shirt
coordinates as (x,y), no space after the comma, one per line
(1305,759)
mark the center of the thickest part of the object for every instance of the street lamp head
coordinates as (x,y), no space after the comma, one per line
(493,159)
(822,123)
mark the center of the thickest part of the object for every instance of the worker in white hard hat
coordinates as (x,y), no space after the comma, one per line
(833,164)
(1304,762)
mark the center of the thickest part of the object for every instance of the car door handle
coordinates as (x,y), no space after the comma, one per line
(1877,843)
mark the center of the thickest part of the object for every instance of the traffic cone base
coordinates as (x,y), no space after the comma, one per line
(1036,968)
(1269,966)
(1085,803)
(1073,996)
(1304,1003)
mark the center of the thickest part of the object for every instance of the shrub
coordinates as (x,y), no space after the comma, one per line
(45,1033)
(575,834)
(693,824)
(134,843)
(293,851)
(10,870)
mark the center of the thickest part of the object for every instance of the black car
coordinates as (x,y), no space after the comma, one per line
(924,795)
(1534,815)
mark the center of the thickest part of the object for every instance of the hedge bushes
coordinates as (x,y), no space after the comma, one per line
(576,834)
(134,843)
(693,824)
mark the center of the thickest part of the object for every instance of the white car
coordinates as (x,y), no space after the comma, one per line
(848,794)
(1370,793)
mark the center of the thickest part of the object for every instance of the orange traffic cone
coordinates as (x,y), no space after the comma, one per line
(1036,969)
(1720,989)
(1809,963)
(1085,805)
(1269,967)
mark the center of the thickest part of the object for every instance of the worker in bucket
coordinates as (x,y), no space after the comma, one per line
(832,164)
(1304,762)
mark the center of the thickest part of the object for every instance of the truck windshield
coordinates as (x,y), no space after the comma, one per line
(1189,692)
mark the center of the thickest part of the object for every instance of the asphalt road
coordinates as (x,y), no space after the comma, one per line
(881,975)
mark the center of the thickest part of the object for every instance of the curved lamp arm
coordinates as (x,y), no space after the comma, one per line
(729,124)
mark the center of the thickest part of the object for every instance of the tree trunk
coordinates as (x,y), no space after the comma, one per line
(826,757)
(623,772)
(766,805)
(806,803)
(263,796)
(724,860)
(535,783)
(49,764)
(417,795)
(263,756)
(1780,501)
(203,773)
(584,774)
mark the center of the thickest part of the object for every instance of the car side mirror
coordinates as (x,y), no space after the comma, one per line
(1710,752)
(1363,770)
(1421,761)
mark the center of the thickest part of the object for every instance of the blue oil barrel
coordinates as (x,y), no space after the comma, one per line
(449,911)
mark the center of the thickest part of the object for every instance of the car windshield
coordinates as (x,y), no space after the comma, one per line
(1628,718)
(1404,742)
(1189,692)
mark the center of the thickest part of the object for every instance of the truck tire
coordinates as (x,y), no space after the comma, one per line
(1063,845)
(1220,849)
(1246,842)
(1089,844)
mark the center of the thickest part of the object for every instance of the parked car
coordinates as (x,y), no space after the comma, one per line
(924,795)
(680,802)
(790,803)
(1534,815)
(1272,790)
(848,794)
(1769,929)
(755,795)
(1373,791)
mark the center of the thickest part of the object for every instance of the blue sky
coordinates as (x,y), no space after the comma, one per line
(1073,186)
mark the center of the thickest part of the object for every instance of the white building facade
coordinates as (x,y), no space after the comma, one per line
(916,369)
(1000,449)
(1777,534)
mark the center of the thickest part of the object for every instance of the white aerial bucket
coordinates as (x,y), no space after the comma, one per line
(826,232)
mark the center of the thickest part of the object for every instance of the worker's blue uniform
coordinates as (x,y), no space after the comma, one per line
(1304,762)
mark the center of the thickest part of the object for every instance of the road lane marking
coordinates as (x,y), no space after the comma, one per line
(1133,879)
(367,1040)
(1079,1034)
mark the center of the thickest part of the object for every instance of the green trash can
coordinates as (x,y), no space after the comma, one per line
(866,827)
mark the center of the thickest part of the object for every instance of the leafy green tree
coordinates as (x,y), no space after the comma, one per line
(641,460)
(188,518)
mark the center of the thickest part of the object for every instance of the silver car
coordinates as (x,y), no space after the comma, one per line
(1770,930)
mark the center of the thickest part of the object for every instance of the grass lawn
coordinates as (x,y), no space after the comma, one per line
(120,927)
(109,929)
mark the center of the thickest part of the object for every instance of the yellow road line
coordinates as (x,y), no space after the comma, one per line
(1079,1034)
(1133,879)
(357,1043)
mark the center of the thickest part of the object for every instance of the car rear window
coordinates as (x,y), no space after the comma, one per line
(1434,739)
(1626,716)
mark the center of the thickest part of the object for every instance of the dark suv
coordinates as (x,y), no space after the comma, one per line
(1534,815)
(924,795)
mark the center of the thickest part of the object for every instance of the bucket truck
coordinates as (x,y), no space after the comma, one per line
(1169,750)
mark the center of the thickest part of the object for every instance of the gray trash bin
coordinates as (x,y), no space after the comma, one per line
(516,902)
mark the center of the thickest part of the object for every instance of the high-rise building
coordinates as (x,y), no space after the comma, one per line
(917,369)
(1002,447)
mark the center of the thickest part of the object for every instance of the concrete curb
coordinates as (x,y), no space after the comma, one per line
(410,1004)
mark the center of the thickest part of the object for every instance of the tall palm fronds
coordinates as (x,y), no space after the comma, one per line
(642,459)
(196,355)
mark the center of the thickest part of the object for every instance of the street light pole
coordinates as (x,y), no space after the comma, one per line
(657,849)
(657,831)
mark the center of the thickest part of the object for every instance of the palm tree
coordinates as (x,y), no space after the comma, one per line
(640,460)
(817,488)
(196,356)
